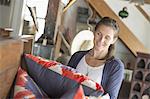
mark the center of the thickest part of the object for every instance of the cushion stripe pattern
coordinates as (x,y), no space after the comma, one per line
(66,71)
(26,88)
(59,77)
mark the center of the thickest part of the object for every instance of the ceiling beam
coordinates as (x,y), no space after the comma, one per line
(143,12)
(69,4)
(126,36)
(147,1)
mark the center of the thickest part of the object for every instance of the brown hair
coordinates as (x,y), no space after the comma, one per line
(111,23)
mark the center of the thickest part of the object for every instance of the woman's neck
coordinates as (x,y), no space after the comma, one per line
(98,54)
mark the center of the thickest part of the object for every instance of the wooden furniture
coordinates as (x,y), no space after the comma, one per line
(28,43)
(5,32)
(124,90)
(141,77)
(10,53)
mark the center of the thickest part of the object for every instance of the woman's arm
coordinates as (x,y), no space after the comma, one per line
(115,79)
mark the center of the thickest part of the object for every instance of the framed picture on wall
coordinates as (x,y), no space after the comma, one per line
(5,2)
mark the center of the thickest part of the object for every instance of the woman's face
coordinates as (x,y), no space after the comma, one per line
(104,37)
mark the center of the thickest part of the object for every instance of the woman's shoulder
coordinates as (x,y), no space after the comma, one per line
(114,67)
(75,58)
(116,62)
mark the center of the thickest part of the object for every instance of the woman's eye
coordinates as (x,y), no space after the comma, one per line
(98,33)
(107,37)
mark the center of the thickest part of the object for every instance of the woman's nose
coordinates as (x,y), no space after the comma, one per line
(102,38)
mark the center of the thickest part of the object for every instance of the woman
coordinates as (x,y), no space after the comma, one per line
(99,63)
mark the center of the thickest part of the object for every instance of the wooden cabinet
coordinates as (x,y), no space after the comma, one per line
(10,53)
(28,43)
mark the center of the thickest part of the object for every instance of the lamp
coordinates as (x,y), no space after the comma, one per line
(137,2)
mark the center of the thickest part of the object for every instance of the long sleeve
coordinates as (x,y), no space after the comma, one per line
(114,82)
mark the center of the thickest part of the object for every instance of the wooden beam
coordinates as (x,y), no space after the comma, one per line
(128,38)
(57,46)
(57,37)
(143,12)
(69,4)
(33,15)
(147,1)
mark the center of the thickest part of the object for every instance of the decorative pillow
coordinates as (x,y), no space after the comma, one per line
(56,79)
(74,93)
(26,88)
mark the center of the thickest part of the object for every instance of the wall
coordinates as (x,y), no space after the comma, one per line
(124,54)
(17,17)
(71,15)
(146,8)
(136,22)
(5,16)
(12,16)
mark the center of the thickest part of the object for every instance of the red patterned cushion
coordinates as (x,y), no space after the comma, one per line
(56,79)
(75,93)
(25,87)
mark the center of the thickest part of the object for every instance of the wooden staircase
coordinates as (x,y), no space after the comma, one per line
(126,36)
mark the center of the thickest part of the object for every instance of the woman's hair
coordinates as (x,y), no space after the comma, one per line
(107,21)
